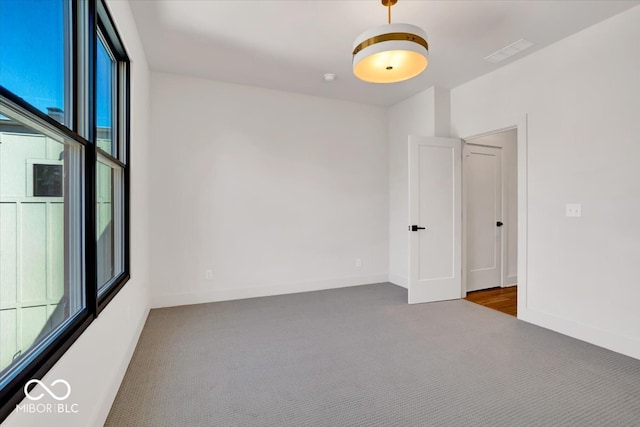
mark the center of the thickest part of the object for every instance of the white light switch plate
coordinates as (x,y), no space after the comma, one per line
(574,210)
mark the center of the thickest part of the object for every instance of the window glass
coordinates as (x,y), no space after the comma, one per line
(47,180)
(109,222)
(104,222)
(33,54)
(41,283)
(105,99)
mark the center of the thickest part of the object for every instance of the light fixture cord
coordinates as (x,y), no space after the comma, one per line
(389,11)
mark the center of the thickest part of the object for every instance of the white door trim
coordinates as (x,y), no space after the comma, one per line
(487,128)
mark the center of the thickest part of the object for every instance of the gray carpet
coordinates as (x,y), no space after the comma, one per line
(362,357)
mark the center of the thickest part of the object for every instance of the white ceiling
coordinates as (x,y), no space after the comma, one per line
(289,44)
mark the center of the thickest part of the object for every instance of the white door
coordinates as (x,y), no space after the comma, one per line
(483,194)
(435,197)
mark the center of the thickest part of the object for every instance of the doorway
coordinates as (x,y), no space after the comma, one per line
(504,300)
(429,228)
(490,218)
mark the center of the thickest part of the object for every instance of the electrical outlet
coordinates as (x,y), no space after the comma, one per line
(573,210)
(359,263)
(208,274)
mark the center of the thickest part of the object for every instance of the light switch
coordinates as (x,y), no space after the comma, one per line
(574,210)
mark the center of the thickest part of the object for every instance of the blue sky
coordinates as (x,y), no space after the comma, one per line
(31,51)
(32,55)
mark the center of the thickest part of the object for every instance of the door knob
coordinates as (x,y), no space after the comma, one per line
(415,228)
(499,224)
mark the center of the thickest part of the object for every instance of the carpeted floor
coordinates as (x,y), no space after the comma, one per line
(362,357)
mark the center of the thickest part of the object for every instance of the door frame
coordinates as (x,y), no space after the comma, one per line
(490,127)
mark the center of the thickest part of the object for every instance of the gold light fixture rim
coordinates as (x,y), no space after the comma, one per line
(395,36)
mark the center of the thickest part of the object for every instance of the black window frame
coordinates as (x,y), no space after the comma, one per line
(82,120)
(106,26)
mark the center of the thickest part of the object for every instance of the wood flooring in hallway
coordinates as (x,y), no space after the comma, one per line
(501,299)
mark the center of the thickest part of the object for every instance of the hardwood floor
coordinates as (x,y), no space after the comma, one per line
(501,299)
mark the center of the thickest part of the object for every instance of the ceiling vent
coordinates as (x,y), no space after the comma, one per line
(509,51)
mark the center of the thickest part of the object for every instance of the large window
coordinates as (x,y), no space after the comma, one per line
(64,180)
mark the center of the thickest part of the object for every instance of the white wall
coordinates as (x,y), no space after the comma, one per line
(582,98)
(95,364)
(424,114)
(507,141)
(273,192)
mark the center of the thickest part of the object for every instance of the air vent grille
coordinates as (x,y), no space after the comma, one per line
(508,51)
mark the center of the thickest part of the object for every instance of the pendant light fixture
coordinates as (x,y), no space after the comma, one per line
(390,53)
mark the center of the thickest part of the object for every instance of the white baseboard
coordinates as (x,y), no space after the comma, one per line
(618,343)
(399,280)
(172,300)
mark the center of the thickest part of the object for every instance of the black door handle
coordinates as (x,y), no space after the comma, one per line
(499,224)
(415,228)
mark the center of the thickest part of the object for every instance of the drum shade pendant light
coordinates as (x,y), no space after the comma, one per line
(390,53)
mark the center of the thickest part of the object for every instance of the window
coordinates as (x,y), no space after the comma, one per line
(64,180)
(110,84)
(40,283)
(47,180)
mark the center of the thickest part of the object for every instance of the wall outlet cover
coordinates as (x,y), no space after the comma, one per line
(574,210)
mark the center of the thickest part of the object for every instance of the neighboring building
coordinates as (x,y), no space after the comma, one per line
(34,290)
(32,273)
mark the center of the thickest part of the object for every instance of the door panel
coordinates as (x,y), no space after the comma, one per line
(483,189)
(436,261)
(435,203)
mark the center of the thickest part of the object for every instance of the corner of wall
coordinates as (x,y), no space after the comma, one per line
(399,280)
(442,111)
